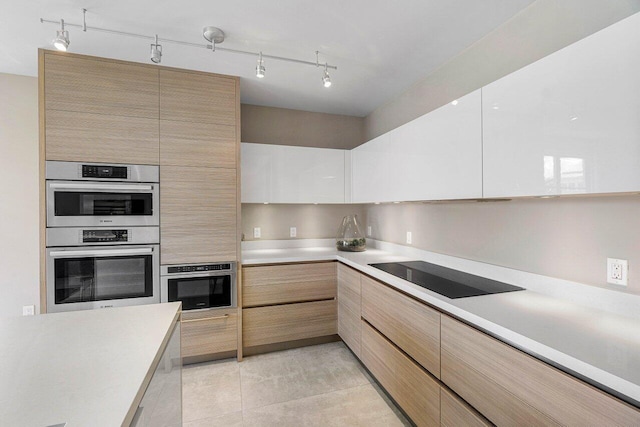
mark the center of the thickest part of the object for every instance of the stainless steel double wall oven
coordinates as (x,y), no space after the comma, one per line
(102,235)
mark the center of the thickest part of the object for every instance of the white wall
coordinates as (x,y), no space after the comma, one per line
(19,237)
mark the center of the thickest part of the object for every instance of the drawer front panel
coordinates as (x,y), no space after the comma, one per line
(280,284)
(417,393)
(412,326)
(349,324)
(532,392)
(209,332)
(454,412)
(289,322)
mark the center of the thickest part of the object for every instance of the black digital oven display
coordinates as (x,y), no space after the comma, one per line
(90,236)
(96,171)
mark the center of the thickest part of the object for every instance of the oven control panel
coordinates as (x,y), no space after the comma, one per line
(198,268)
(99,171)
(89,236)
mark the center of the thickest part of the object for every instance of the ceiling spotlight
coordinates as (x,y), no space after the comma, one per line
(326,80)
(260,68)
(61,42)
(156,52)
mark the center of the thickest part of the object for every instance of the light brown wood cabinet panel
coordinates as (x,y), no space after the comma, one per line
(209,332)
(278,284)
(417,393)
(197,215)
(411,325)
(510,387)
(349,323)
(88,137)
(288,322)
(197,97)
(455,412)
(197,144)
(99,85)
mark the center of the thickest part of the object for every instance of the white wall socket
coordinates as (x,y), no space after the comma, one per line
(293,232)
(28,310)
(368,231)
(256,232)
(617,271)
(408,238)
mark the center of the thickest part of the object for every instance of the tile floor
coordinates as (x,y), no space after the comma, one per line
(321,385)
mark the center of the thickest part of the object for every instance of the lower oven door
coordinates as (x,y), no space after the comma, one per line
(200,291)
(83,278)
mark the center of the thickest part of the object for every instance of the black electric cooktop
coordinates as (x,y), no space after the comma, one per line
(445,281)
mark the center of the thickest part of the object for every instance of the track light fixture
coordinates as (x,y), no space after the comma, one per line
(260,68)
(61,42)
(156,52)
(326,80)
(213,35)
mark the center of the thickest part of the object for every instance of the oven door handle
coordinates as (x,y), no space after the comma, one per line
(101,187)
(101,253)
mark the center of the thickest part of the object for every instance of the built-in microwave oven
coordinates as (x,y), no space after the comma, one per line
(200,286)
(101,195)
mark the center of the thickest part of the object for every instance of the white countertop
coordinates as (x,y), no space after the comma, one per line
(85,368)
(565,327)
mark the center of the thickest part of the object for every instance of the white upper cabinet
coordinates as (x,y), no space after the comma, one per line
(287,174)
(568,123)
(437,156)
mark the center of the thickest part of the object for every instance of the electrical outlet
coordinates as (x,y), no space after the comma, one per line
(617,271)
(408,237)
(256,232)
(368,231)
(293,232)
(28,310)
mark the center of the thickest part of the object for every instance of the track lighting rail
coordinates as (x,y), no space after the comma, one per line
(214,46)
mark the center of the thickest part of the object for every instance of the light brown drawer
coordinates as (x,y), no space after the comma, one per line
(510,387)
(417,393)
(349,323)
(88,137)
(209,332)
(455,412)
(289,322)
(411,325)
(279,284)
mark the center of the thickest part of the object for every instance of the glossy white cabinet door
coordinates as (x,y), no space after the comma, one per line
(437,156)
(287,174)
(568,123)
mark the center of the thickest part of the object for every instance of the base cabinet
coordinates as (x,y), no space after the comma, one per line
(512,388)
(349,325)
(288,322)
(417,393)
(209,332)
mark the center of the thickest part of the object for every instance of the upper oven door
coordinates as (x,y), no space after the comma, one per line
(91,203)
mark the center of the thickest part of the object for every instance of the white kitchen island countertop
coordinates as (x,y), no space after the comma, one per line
(590,332)
(83,368)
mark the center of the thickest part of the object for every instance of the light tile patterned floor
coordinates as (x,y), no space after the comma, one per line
(321,385)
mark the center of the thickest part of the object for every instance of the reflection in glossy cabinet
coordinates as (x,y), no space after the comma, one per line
(285,174)
(568,123)
(436,156)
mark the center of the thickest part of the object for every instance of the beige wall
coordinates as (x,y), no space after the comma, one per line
(567,238)
(311,221)
(281,126)
(540,29)
(19,236)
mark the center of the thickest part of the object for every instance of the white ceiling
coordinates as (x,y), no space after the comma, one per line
(380,47)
